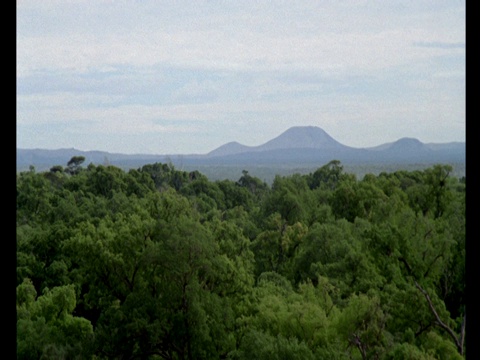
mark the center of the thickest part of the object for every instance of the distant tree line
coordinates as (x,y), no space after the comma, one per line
(157,263)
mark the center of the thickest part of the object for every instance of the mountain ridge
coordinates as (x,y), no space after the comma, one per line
(313,137)
(297,145)
(296,137)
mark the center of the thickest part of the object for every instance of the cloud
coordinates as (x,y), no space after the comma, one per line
(323,38)
(439,45)
(327,53)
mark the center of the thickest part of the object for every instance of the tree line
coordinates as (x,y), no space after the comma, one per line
(157,263)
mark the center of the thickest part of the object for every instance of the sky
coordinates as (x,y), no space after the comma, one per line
(185,77)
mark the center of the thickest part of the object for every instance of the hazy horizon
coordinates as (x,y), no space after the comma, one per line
(178,77)
(236,142)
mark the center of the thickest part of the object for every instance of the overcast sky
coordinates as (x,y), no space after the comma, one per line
(182,77)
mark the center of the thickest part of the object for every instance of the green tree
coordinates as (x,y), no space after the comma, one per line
(74,165)
(269,347)
(161,263)
(275,247)
(46,327)
(158,281)
(287,198)
(326,177)
(362,326)
(235,195)
(333,250)
(253,184)
(437,180)
(165,175)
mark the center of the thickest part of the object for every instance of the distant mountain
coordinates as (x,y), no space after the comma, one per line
(298,146)
(301,137)
(412,143)
(454,146)
(230,149)
(403,144)
(413,150)
(298,137)
(309,145)
(43,159)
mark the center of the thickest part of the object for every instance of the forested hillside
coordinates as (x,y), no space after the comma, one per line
(157,263)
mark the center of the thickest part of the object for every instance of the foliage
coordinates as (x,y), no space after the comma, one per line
(158,263)
(46,327)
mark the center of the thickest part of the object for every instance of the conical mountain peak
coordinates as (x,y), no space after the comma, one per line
(297,137)
(229,149)
(408,144)
(301,137)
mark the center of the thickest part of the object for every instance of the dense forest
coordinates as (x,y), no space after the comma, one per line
(157,263)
